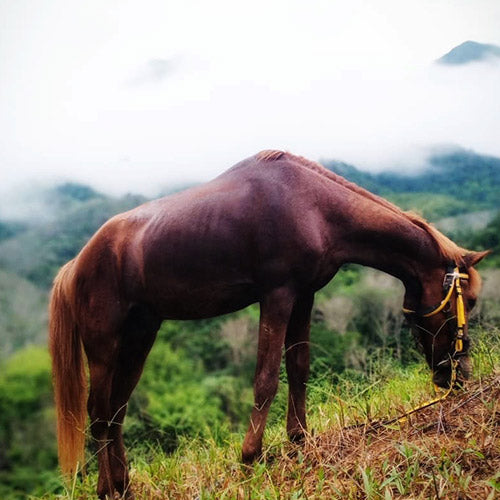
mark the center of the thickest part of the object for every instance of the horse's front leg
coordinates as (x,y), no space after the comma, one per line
(275,310)
(297,366)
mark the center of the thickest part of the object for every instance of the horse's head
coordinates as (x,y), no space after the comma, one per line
(438,314)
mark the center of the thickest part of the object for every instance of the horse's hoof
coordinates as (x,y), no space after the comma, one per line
(250,457)
(128,495)
(297,437)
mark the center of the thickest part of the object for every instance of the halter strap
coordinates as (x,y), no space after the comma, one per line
(451,283)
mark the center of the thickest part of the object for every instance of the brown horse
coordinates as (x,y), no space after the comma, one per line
(273,229)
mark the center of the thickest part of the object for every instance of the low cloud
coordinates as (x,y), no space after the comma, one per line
(154,71)
(147,135)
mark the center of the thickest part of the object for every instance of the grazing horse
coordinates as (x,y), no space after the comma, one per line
(273,229)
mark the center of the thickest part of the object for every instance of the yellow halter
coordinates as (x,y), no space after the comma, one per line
(452,283)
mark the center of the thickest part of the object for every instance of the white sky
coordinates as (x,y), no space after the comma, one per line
(136,95)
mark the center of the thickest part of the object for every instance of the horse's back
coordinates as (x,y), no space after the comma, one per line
(217,247)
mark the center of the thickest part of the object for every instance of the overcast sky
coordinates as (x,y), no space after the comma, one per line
(138,95)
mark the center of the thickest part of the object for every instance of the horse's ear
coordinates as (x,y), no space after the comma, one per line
(472,258)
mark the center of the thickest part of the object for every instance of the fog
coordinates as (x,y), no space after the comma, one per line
(139,96)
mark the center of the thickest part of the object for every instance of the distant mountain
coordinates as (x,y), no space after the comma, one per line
(463,181)
(35,203)
(37,251)
(8,229)
(74,191)
(23,313)
(468,52)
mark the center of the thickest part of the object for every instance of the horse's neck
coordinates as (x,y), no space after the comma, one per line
(375,236)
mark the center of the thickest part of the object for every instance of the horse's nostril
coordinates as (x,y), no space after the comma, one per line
(442,378)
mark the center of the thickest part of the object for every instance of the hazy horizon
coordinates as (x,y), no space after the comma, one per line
(139,96)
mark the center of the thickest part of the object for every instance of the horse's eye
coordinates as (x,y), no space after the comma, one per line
(471,303)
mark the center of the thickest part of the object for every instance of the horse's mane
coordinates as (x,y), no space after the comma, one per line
(447,248)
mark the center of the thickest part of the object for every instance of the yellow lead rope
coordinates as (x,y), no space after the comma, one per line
(459,345)
(402,418)
(443,396)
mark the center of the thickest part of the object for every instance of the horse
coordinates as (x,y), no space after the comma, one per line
(273,229)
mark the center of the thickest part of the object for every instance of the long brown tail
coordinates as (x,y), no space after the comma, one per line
(68,372)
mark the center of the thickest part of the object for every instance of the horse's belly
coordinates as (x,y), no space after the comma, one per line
(203,302)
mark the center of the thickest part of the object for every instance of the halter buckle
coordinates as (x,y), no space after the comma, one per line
(449,279)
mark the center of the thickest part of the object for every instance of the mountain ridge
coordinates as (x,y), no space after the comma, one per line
(461,174)
(469,51)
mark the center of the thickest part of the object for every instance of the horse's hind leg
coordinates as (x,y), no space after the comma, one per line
(137,336)
(102,350)
(297,365)
(275,310)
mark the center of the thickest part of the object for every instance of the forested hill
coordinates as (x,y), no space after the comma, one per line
(34,246)
(467,177)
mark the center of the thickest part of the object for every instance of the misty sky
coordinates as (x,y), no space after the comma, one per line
(139,95)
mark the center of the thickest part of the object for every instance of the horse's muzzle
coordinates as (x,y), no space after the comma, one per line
(443,372)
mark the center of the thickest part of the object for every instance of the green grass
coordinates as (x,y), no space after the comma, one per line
(456,457)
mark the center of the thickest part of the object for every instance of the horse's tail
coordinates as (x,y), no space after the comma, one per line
(68,372)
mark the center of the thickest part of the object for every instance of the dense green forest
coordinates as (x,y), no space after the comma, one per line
(464,180)
(197,384)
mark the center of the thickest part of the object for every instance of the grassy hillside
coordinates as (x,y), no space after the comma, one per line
(450,450)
